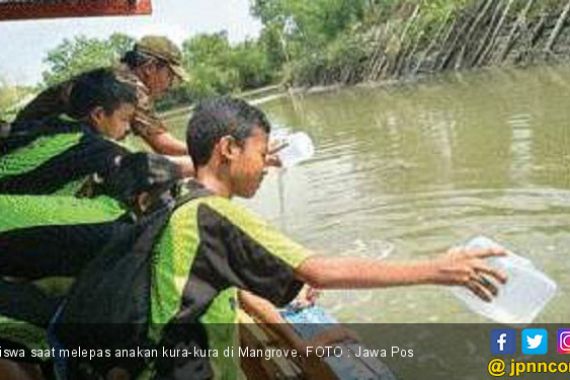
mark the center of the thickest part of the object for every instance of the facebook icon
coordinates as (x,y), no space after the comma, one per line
(503,342)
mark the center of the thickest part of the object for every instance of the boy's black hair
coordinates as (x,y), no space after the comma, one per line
(215,118)
(99,88)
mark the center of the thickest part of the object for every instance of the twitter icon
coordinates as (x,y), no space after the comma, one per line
(534,341)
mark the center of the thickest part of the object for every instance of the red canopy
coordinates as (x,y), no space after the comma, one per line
(34,9)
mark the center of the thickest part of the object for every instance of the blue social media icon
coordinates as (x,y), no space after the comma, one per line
(503,342)
(534,341)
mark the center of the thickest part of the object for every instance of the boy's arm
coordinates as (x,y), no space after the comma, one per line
(272,266)
(457,267)
(265,312)
(148,125)
(165,143)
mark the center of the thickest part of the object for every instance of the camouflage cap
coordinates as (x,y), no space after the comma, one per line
(163,49)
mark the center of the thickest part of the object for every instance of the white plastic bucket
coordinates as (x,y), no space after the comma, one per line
(299,148)
(521,299)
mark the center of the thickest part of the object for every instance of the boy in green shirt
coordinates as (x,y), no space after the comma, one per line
(58,155)
(211,246)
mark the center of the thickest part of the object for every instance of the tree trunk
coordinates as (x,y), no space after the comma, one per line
(557,28)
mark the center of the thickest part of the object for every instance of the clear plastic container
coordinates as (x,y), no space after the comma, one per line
(521,299)
(299,148)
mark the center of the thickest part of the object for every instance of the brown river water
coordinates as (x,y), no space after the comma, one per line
(403,172)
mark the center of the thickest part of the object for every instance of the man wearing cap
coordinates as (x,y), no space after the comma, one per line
(152,66)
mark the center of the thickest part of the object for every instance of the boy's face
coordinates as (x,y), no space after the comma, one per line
(247,165)
(116,124)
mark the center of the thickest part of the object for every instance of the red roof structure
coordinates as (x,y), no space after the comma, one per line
(36,9)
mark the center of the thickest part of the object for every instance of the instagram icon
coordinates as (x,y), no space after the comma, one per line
(563,341)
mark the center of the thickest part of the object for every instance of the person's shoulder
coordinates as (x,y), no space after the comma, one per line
(232,212)
(57,93)
(60,87)
(84,134)
(126,74)
(64,124)
(144,101)
(211,207)
(49,126)
(232,221)
(214,207)
(49,102)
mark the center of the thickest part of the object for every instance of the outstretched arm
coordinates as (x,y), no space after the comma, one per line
(457,267)
(165,143)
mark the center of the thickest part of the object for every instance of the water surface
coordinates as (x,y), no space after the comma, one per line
(405,172)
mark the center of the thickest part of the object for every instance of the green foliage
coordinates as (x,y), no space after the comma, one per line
(207,58)
(175,97)
(252,64)
(321,19)
(307,24)
(342,61)
(313,39)
(72,57)
(216,67)
(273,44)
(326,41)
(302,42)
